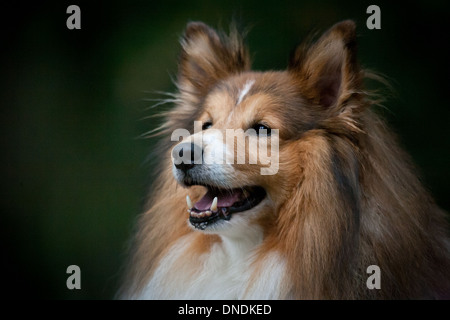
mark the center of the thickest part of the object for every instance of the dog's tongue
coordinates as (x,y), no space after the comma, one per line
(224,199)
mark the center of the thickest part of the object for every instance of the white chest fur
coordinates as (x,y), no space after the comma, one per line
(226,271)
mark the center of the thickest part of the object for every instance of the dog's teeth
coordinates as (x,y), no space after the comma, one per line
(189,202)
(208,213)
(214,204)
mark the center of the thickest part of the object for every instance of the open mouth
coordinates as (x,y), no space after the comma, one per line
(219,204)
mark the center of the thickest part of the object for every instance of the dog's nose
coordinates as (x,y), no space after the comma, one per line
(186,156)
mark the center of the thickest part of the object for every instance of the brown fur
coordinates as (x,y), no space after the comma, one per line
(345,197)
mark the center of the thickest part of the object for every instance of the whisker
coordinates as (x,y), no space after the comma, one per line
(161,102)
(154,132)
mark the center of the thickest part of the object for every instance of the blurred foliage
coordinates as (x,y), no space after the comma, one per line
(74,171)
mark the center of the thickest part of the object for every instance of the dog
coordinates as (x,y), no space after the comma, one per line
(338,199)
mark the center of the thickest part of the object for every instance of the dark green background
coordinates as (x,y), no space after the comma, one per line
(75,173)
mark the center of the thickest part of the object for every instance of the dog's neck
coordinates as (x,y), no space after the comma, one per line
(241,243)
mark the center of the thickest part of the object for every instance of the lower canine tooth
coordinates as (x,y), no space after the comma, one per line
(189,202)
(214,204)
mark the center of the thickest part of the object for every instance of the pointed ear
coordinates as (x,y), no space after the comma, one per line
(208,57)
(327,70)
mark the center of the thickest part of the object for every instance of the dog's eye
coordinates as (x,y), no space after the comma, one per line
(206,125)
(260,126)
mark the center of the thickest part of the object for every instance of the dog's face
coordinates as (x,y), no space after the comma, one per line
(244,156)
(244,135)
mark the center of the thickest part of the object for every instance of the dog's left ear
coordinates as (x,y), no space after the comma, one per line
(327,71)
(207,57)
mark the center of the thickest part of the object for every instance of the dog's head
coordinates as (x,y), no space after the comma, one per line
(243,155)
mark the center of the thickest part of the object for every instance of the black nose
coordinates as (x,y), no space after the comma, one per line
(186,156)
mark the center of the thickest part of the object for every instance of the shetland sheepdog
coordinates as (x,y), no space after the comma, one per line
(339,197)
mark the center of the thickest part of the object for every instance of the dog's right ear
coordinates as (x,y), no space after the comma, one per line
(327,71)
(207,57)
